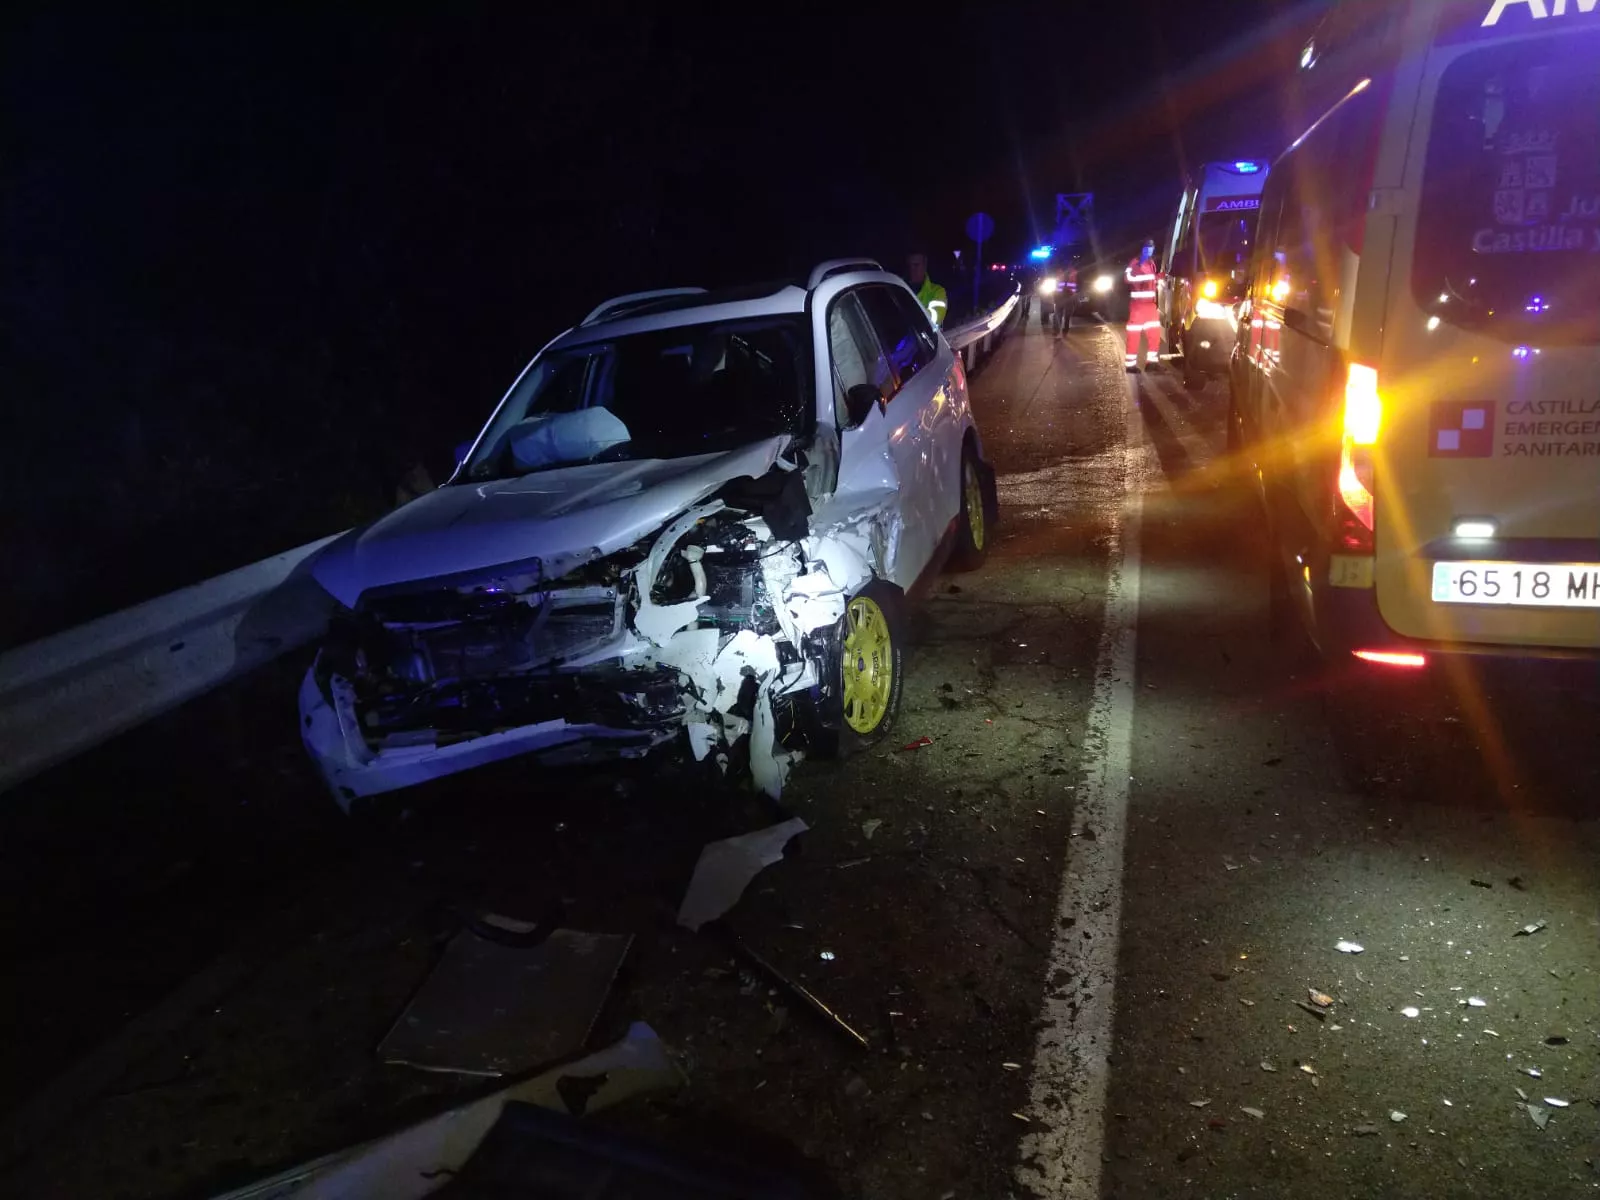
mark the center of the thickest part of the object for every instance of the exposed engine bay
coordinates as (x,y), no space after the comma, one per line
(716,630)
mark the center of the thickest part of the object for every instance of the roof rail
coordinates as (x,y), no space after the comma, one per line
(620,304)
(835,266)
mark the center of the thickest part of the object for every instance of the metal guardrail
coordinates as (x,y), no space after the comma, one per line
(972,339)
(67,693)
(63,694)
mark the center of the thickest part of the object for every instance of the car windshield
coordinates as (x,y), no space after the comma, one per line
(1508,236)
(668,393)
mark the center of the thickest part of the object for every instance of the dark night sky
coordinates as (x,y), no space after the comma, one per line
(268,258)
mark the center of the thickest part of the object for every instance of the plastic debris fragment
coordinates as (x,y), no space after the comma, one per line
(1411,1010)
(826,956)
(1477,1002)
(919,744)
(1532,1072)
(1350,948)
(1268,1067)
(1554,1103)
(1531,929)
(1396,1115)
(1198,1103)
(1249,1111)
(1320,999)
(1538,1114)
(868,828)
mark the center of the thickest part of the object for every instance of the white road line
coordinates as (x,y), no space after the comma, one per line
(1061,1153)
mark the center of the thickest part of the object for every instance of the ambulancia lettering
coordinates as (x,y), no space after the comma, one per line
(1539,10)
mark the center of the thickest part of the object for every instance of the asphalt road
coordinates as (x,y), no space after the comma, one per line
(1076,928)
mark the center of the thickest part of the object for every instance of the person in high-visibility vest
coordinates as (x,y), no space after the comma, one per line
(935,302)
(1144,321)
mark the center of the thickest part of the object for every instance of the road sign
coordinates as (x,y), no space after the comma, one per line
(980,227)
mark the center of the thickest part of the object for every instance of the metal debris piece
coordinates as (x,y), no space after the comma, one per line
(1477,1002)
(1350,948)
(920,744)
(1531,929)
(490,1009)
(868,828)
(1268,1067)
(799,992)
(1554,1103)
(726,868)
(1532,1072)
(1411,1010)
(1248,1111)
(1366,1130)
(1198,1103)
(1396,1115)
(1320,999)
(1320,1014)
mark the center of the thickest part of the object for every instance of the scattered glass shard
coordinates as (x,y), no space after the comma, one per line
(1349,947)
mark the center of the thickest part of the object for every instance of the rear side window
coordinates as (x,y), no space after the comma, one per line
(1508,232)
(902,329)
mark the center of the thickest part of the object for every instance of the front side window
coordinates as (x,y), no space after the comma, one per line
(897,332)
(1508,232)
(669,393)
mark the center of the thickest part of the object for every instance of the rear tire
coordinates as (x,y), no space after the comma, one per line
(975,522)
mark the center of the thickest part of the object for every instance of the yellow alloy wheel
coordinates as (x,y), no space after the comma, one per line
(973,494)
(868,666)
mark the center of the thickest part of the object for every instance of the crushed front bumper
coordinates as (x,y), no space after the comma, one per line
(353,768)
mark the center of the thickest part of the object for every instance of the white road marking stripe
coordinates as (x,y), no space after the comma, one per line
(1060,1157)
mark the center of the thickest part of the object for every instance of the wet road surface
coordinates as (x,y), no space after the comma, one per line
(190,879)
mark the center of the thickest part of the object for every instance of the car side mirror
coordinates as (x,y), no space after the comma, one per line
(859,402)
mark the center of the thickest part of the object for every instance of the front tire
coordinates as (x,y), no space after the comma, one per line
(871,661)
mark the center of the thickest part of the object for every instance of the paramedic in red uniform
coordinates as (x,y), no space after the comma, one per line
(1143,319)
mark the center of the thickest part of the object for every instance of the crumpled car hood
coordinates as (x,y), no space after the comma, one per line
(570,515)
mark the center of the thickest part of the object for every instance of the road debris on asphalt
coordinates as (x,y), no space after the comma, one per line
(1250,1111)
(1532,1072)
(1411,1010)
(1518,882)
(868,828)
(491,1009)
(726,868)
(1537,1113)
(1556,1040)
(1530,929)
(1481,883)
(1320,1014)
(1350,948)
(1554,1103)
(1396,1115)
(1521,1095)
(1307,1069)
(1475,1002)
(1320,999)
(1366,1130)
(421,1159)
(1267,1066)
(799,991)
(1198,1103)
(920,744)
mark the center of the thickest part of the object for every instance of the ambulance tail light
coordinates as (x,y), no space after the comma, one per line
(1392,658)
(1363,420)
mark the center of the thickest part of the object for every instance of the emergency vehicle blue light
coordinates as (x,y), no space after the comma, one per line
(1042,252)
(1246,168)
(1521,352)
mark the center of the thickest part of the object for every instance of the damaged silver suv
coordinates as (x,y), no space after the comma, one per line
(695,517)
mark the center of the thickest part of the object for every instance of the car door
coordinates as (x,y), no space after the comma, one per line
(929,486)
